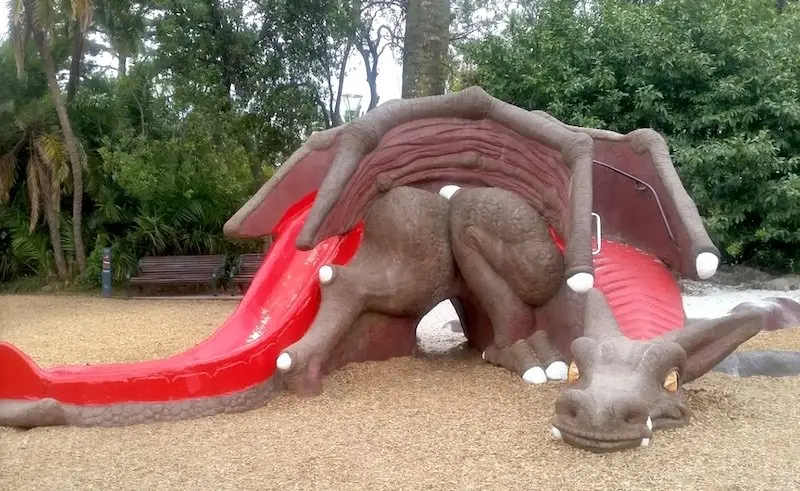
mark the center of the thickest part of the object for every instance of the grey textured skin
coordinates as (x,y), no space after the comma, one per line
(489,250)
(403,268)
(761,364)
(780,312)
(49,412)
(621,381)
(510,264)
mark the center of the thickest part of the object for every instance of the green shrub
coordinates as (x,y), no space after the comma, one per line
(719,78)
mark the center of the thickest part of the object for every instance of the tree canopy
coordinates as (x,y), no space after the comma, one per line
(204,98)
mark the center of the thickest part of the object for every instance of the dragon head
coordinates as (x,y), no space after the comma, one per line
(621,390)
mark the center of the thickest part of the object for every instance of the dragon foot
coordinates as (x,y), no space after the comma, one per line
(372,337)
(534,359)
(556,364)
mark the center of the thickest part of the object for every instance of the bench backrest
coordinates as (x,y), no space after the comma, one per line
(200,264)
(249,263)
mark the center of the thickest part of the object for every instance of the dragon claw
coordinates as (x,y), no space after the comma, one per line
(557,371)
(534,375)
(580,282)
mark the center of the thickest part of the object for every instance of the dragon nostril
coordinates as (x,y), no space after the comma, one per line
(570,404)
(634,412)
(633,418)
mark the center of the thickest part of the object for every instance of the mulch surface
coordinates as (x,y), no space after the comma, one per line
(442,423)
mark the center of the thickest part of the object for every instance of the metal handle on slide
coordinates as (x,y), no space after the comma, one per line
(599,234)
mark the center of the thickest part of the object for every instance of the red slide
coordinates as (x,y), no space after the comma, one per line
(278,309)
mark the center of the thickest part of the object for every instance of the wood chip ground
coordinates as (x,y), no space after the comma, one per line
(453,423)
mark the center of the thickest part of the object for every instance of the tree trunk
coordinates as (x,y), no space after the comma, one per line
(426,45)
(69,137)
(76,62)
(337,105)
(51,217)
(370,56)
(122,65)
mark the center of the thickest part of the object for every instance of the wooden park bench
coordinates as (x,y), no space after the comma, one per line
(177,270)
(244,270)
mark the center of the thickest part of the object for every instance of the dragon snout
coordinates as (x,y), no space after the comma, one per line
(600,424)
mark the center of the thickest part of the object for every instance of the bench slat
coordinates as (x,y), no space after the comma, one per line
(187,269)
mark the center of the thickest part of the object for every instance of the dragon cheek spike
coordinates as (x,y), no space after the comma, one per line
(706,265)
(646,441)
(326,274)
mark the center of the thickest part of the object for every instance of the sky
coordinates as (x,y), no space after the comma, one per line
(390,78)
(389,71)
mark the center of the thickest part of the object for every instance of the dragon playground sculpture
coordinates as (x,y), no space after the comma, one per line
(467,198)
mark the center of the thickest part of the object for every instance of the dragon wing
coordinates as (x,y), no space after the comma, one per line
(472,139)
(467,138)
(642,201)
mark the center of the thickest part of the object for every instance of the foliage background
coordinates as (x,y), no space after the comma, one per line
(719,79)
(209,96)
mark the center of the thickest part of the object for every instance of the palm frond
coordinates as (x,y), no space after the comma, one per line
(15,10)
(8,175)
(191,213)
(23,252)
(43,15)
(66,234)
(82,153)
(33,182)
(53,152)
(36,114)
(20,33)
(106,210)
(82,12)
(30,250)
(153,230)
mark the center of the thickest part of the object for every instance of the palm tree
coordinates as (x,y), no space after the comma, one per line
(45,170)
(37,19)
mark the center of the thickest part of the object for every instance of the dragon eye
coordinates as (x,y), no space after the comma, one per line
(672,381)
(573,374)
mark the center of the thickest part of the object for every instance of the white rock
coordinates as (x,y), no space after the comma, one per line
(580,282)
